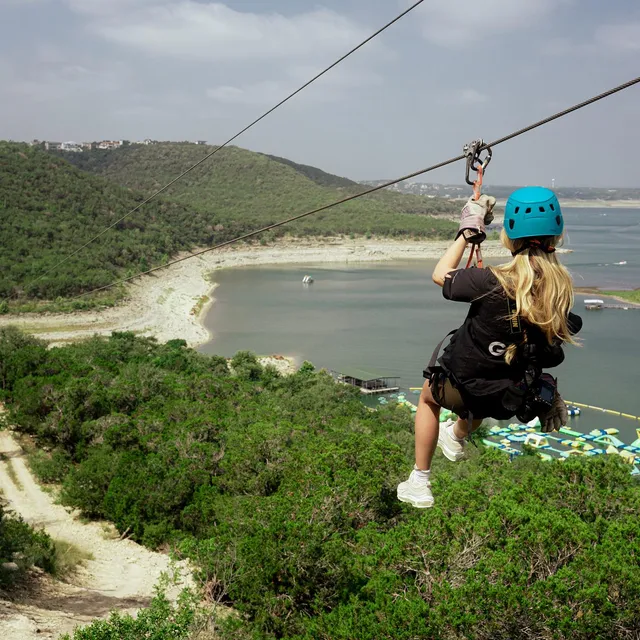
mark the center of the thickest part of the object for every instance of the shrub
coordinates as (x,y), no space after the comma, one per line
(282,492)
(52,467)
(24,546)
(246,366)
(160,621)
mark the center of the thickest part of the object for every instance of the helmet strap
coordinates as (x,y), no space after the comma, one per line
(534,243)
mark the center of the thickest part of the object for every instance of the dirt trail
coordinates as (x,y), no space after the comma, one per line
(120,576)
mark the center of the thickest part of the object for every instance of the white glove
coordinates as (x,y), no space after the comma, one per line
(476,214)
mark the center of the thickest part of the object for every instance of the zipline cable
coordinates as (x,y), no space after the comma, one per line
(237,135)
(495,143)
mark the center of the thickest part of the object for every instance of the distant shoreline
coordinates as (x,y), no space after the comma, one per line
(174,302)
(568,203)
(591,204)
(598,292)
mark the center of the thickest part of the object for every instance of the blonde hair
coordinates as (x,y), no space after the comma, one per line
(540,286)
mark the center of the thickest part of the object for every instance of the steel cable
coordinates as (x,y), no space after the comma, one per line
(230,140)
(495,143)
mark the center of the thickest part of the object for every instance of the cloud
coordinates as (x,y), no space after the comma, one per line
(564,47)
(329,88)
(212,32)
(471,96)
(619,37)
(465,23)
(19,3)
(104,8)
(259,93)
(62,82)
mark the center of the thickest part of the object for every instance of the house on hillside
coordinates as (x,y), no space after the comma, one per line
(201,142)
(87,146)
(53,146)
(71,147)
(110,144)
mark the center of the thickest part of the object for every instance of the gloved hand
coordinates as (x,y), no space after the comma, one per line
(476,214)
(556,417)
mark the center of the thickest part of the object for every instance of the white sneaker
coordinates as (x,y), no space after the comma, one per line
(416,493)
(452,449)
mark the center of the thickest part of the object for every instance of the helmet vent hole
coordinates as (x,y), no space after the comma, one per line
(558,220)
(517,209)
(541,209)
(552,207)
(528,210)
(511,224)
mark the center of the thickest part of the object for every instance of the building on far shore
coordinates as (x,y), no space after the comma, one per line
(201,142)
(110,144)
(72,147)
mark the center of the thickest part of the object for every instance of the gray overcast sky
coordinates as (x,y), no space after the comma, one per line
(451,71)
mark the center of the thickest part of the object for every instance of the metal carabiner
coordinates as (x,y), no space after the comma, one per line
(472,151)
(476,163)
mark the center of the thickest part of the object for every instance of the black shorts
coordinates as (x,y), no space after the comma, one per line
(461,403)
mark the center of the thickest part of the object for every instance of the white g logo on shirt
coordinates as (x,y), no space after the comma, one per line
(497,349)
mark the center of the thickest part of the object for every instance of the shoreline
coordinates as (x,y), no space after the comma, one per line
(170,305)
(595,291)
(569,203)
(174,302)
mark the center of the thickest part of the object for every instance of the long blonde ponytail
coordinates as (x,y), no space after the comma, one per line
(541,287)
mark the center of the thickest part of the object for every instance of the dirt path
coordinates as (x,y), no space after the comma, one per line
(120,576)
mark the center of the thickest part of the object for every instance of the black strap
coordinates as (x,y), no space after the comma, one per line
(514,318)
(436,351)
(433,367)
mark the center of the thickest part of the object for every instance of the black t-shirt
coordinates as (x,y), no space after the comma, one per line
(475,353)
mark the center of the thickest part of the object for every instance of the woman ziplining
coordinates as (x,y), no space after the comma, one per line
(520,318)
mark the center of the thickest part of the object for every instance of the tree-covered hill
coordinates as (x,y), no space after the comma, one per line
(244,185)
(282,493)
(49,208)
(317,175)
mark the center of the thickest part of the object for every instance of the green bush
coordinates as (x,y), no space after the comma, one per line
(52,467)
(24,546)
(246,366)
(160,621)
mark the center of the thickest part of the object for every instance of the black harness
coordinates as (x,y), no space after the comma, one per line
(530,397)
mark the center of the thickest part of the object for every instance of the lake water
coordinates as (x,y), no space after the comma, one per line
(387,318)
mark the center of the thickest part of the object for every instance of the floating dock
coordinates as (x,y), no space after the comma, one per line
(596,305)
(368,383)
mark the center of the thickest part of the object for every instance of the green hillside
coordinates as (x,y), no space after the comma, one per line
(281,491)
(49,208)
(318,176)
(256,189)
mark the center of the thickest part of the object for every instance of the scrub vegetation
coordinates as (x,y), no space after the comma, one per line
(281,490)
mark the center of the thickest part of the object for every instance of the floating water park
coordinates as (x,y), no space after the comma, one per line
(512,438)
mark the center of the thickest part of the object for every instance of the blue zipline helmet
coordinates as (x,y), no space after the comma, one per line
(533,212)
